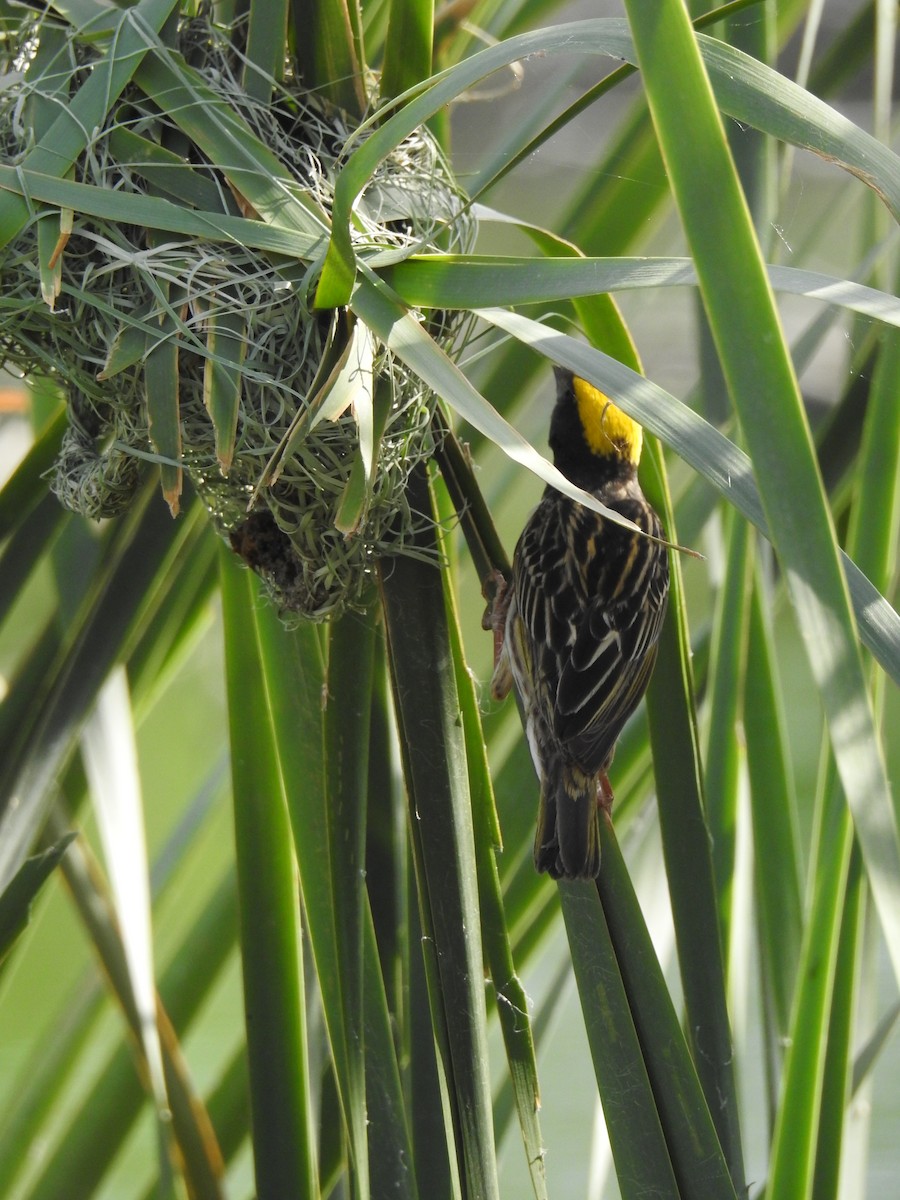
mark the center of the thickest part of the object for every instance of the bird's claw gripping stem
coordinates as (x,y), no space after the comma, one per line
(495,590)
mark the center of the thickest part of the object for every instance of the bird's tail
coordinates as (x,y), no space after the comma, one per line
(567,844)
(546,843)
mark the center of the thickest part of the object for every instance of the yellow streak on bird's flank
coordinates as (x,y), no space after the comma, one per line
(607,429)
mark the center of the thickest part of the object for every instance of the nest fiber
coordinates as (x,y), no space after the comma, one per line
(86,325)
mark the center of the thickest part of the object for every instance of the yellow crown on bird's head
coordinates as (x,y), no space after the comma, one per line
(607,430)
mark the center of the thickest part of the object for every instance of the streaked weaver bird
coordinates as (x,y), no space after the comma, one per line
(577,628)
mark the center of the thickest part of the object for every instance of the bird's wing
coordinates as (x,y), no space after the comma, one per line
(612,655)
(546,605)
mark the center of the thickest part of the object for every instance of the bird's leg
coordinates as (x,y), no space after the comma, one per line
(495,590)
(605,795)
(494,619)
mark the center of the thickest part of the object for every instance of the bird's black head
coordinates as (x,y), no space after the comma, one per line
(589,436)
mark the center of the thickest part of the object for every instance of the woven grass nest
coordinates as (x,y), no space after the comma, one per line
(280,511)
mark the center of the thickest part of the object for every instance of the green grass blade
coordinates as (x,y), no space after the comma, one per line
(774,818)
(296,682)
(688,856)
(792,1162)
(391,1160)
(868,1054)
(49,238)
(161,386)
(226,340)
(876,516)
(26,548)
(431,1121)
(750,91)
(428,714)
(156,213)
(873,539)
(165,171)
(764,391)
(16,901)
(481,281)
(27,486)
(67,137)
(99,637)
(722,757)
(407,47)
(641,1155)
(185,1116)
(180,616)
(266,44)
(697,1159)
(837,1069)
(512,1003)
(284,1154)
(329,51)
(109,751)
(346,739)
(93,1134)
(387,853)
(37,1086)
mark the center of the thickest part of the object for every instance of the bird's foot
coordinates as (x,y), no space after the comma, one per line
(495,589)
(605,795)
